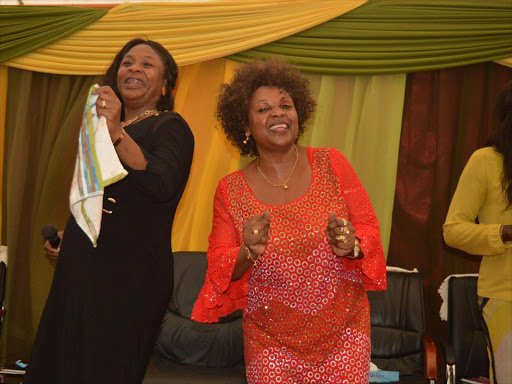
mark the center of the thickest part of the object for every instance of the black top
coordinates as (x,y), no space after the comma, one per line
(106,303)
(146,201)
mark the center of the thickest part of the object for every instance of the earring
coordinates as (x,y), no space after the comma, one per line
(247,135)
(164,91)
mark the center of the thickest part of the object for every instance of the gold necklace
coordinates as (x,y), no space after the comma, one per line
(285,184)
(145,113)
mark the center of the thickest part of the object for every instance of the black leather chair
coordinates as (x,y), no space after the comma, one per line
(466,348)
(190,352)
(3,278)
(397,318)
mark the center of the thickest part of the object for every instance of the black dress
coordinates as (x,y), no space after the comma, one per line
(105,305)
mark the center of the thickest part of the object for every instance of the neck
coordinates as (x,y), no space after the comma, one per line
(130,113)
(277,163)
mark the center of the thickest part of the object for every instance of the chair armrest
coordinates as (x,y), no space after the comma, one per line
(430,358)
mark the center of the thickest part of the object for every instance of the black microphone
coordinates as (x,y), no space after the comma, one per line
(49,233)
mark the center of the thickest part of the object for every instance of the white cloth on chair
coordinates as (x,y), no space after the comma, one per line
(97,166)
(398,269)
(443,292)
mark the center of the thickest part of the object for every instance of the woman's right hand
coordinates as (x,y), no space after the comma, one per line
(109,105)
(506,233)
(53,253)
(256,233)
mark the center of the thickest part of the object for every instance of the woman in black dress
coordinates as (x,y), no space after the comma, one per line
(106,303)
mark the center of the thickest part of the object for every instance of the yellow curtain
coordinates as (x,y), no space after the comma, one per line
(361,116)
(214,156)
(192,31)
(506,62)
(3,100)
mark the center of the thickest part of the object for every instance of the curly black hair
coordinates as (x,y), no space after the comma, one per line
(234,98)
(501,138)
(170,72)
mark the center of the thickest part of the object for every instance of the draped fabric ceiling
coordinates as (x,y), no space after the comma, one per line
(193,32)
(356,53)
(378,36)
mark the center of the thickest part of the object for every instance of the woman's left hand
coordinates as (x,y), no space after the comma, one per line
(342,235)
(109,105)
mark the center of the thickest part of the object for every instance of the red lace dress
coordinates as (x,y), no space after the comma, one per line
(306,314)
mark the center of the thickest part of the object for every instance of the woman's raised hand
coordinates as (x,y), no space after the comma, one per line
(341,235)
(109,105)
(256,233)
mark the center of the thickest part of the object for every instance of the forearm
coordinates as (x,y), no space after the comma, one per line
(476,239)
(243,263)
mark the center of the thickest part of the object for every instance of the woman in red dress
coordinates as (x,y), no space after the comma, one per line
(295,241)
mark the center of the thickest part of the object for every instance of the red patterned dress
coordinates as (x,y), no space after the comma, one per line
(306,314)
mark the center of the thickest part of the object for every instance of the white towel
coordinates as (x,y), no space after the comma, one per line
(97,166)
(443,292)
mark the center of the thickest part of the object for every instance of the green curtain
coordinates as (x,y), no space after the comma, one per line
(362,117)
(397,36)
(24,29)
(39,161)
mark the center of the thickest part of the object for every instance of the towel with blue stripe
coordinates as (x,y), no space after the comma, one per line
(97,166)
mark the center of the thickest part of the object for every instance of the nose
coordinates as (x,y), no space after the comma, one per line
(276,112)
(135,67)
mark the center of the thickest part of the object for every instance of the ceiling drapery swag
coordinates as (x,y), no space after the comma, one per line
(25,29)
(397,36)
(192,31)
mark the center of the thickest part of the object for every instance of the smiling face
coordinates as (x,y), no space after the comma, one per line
(140,77)
(273,118)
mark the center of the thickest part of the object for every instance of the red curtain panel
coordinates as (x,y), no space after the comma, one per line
(448,115)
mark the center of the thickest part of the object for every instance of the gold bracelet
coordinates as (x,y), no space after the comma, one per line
(249,257)
(501,233)
(120,138)
(357,250)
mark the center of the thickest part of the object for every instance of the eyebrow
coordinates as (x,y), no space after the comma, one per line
(266,101)
(146,57)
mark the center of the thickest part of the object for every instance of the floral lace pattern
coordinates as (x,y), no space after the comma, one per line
(306,316)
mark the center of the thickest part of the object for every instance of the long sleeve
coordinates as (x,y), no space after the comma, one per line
(169,156)
(373,265)
(477,194)
(220,296)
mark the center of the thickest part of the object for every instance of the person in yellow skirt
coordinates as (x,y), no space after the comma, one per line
(485,191)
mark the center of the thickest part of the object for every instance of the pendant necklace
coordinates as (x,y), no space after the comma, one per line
(145,113)
(285,184)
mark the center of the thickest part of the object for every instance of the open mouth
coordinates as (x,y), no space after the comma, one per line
(278,127)
(133,81)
